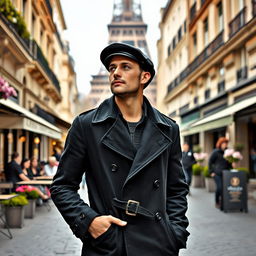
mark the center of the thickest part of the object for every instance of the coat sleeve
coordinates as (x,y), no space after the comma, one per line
(64,189)
(177,190)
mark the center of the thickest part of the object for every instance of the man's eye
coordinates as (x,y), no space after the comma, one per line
(111,69)
(126,67)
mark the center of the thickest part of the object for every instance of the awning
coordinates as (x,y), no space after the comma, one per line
(219,119)
(28,121)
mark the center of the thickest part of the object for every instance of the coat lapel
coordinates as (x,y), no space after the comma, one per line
(153,143)
(117,138)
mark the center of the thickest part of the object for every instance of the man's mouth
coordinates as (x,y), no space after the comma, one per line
(117,82)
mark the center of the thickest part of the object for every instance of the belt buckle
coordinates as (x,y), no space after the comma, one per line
(127,207)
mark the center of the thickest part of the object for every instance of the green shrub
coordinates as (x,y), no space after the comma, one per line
(206,172)
(15,201)
(13,16)
(197,169)
(197,149)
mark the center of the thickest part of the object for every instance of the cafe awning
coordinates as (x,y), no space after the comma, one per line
(219,119)
(27,121)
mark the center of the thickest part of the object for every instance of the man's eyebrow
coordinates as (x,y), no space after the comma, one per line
(122,63)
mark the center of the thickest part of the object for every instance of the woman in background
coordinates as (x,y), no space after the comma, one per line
(217,164)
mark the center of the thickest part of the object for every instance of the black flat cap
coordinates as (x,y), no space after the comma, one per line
(121,49)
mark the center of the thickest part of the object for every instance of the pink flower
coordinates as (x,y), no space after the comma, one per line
(237,156)
(228,152)
(6,91)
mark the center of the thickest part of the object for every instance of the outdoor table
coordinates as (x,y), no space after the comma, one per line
(5,197)
(43,178)
(35,182)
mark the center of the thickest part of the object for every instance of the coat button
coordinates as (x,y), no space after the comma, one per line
(114,167)
(156,183)
(158,216)
(82,216)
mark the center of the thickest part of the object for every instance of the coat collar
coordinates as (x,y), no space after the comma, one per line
(108,109)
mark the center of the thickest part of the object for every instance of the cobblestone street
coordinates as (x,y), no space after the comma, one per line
(212,232)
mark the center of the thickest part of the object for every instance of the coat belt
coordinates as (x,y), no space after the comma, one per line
(132,208)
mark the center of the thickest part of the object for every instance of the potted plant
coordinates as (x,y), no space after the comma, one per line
(14,211)
(209,182)
(31,194)
(197,177)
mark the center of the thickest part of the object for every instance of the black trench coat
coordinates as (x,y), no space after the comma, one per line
(98,143)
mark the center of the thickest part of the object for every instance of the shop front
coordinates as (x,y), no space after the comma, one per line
(24,132)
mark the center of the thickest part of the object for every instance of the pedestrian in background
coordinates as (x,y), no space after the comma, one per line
(50,169)
(217,164)
(188,160)
(132,158)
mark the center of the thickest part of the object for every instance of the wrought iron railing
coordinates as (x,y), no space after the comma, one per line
(202,57)
(34,50)
(39,56)
(237,23)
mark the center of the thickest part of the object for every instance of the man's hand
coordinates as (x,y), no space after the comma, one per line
(102,223)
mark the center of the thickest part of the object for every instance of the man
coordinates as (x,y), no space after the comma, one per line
(188,160)
(51,168)
(14,171)
(132,158)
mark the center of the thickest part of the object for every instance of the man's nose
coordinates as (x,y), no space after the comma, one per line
(117,72)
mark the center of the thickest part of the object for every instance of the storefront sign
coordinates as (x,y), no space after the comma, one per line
(234,191)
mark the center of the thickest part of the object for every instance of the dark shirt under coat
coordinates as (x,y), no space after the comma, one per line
(99,144)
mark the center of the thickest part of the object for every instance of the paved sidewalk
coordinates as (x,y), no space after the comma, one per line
(213,233)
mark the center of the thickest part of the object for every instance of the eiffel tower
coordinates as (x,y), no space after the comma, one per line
(127,26)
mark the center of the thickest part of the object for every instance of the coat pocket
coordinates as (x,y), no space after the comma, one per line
(106,241)
(171,234)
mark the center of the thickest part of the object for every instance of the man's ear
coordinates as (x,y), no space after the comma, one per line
(145,76)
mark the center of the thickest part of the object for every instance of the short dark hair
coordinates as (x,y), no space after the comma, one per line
(15,155)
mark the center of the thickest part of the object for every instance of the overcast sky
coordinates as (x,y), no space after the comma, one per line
(87,33)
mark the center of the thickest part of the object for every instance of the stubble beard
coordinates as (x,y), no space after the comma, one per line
(129,93)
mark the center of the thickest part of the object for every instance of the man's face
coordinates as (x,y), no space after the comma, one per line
(126,77)
(185,147)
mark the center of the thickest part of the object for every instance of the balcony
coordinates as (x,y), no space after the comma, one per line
(24,42)
(237,23)
(192,12)
(241,74)
(253,8)
(33,50)
(207,52)
(38,55)
(221,86)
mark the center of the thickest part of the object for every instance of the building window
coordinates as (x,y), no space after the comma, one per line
(220,17)
(179,33)
(169,50)
(185,26)
(206,32)
(174,43)
(207,92)
(194,37)
(130,42)
(24,4)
